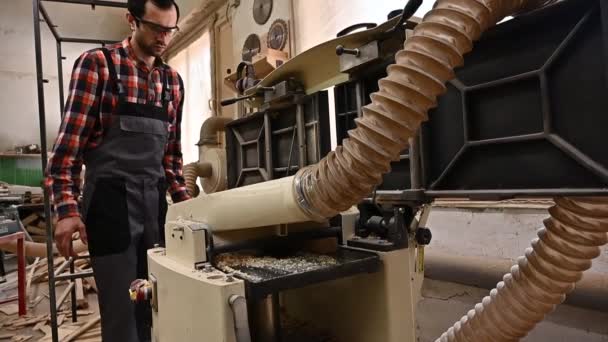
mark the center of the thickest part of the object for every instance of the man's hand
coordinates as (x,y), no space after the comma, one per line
(63,235)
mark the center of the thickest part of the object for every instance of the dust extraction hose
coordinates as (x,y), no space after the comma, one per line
(191,173)
(540,280)
(422,68)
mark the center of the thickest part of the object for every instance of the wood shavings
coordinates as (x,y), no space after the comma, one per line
(245,265)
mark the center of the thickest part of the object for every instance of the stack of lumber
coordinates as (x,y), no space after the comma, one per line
(62,266)
(35,224)
(29,327)
(87,329)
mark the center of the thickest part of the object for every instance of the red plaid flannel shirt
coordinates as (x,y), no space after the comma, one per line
(88,113)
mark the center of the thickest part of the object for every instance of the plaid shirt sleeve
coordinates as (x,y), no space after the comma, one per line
(173,162)
(63,171)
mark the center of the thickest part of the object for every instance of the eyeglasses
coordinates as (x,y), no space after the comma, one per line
(158,29)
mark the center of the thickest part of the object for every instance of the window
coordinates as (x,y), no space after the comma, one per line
(194,66)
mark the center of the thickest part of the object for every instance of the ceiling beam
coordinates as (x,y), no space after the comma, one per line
(103,3)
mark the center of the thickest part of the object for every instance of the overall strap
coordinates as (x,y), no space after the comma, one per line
(167,95)
(112,70)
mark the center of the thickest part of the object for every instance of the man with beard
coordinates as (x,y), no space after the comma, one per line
(122,121)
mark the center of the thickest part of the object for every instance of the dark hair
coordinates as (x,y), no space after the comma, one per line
(138,7)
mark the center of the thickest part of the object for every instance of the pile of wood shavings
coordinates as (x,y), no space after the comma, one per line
(304,262)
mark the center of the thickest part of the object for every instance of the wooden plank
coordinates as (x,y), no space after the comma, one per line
(89,339)
(31,321)
(39,326)
(30,275)
(96,332)
(62,332)
(92,282)
(9,309)
(94,337)
(81,300)
(39,238)
(80,313)
(42,224)
(81,263)
(61,268)
(36,301)
(64,295)
(82,329)
(60,319)
(30,219)
(36,230)
(46,330)
(6,336)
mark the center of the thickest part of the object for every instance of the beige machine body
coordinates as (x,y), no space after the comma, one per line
(189,304)
(192,303)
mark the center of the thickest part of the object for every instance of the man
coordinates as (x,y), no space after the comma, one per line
(122,120)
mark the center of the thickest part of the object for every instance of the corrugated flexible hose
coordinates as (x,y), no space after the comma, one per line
(541,279)
(574,232)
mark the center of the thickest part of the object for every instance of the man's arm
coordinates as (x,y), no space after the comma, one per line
(173,161)
(65,165)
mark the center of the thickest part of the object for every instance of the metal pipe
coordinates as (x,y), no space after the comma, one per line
(87,41)
(73,293)
(415,164)
(82,274)
(210,129)
(268,146)
(43,147)
(266,322)
(49,23)
(93,3)
(301,135)
(60,78)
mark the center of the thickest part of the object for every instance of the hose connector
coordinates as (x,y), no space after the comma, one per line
(303,180)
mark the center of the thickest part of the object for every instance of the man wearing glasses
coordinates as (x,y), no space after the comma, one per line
(122,121)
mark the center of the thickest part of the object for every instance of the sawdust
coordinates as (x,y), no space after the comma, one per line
(249,266)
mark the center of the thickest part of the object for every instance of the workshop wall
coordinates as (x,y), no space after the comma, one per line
(491,233)
(319,20)
(19,123)
(194,66)
(243,23)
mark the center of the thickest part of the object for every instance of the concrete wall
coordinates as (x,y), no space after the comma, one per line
(495,233)
(243,23)
(18,97)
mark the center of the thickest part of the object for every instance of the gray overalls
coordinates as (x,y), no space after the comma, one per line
(124,207)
